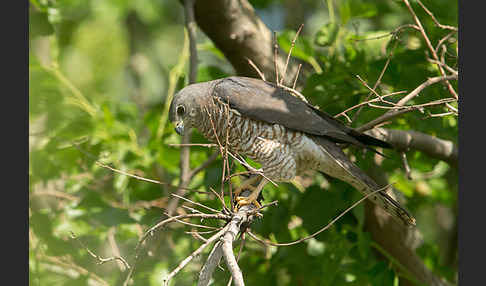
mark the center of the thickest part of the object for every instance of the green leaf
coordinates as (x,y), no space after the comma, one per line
(327,34)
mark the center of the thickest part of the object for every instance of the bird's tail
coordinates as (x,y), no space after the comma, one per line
(353,175)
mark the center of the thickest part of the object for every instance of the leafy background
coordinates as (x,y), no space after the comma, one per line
(99,74)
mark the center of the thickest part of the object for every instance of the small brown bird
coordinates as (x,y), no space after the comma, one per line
(283,133)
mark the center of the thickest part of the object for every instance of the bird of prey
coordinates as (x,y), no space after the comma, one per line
(283,133)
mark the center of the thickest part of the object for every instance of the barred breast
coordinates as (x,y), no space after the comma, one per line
(282,153)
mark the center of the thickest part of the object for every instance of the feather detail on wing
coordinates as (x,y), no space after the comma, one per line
(264,101)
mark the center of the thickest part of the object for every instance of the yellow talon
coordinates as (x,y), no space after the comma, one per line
(252,198)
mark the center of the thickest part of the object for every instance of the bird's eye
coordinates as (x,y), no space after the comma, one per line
(180,110)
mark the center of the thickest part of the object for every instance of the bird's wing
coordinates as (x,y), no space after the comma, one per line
(260,100)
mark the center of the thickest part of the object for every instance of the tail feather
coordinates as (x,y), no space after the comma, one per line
(353,175)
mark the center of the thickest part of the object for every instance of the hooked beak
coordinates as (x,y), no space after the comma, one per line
(179,128)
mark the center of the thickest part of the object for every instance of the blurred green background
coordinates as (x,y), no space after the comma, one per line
(99,75)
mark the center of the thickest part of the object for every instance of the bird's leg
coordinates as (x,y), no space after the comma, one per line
(252,198)
(246,184)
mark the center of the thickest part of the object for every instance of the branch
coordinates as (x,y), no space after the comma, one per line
(227,243)
(429,44)
(185,176)
(224,247)
(403,140)
(394,113)
(194,254)
(208,268)
(396,240)
(240,34)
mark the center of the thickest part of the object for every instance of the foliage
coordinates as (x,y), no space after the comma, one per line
(99,75)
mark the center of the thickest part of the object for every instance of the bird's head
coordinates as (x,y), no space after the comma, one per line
(186,106)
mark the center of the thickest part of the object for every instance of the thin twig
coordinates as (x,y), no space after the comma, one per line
(446,27)
(322,229)
(393,113)
(184,262)
(296,76)
(97,257)
(431,48)
(406,166)
(275,56)
(262,76)
(193,144)
(210,264)
(242,245)
(195,203)
(114,247)
(175,218)
(343,113)
(378,81)
(290,52)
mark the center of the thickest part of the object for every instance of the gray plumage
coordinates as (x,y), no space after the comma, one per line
(286,135)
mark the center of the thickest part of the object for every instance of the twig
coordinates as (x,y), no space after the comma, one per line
(275,56)
(193,144)
(430,115)
(184,262)
(378,81)
(195,203)
(392,33)
(56,194)
(262,207)
(242,245)
(445,38)
(97,257)
(143,178)
(185,174)
(429,45)
(369,88)
(210,264)
(192,210)
(393,113)
(114,247)
(175,218)
(69,264)
(416,106)
(262,76)
(296,76)
(242,216)
(290,52)
(403,155)
(343,113)
(197,225)
(404,140)
(446,27)
(221,199)
(322,229)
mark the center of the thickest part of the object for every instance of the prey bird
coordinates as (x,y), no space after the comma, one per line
(280,131)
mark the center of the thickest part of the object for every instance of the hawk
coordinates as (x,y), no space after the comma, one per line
(281,132)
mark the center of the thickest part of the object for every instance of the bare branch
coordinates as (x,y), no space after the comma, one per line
(192,255)
(429,45)
(185,175)
(403,155)
(435,20)
(290,52)
(195,203)
(100,259)
(262,76)
(393,113)
(430,145)
(210,264)
(322,229)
